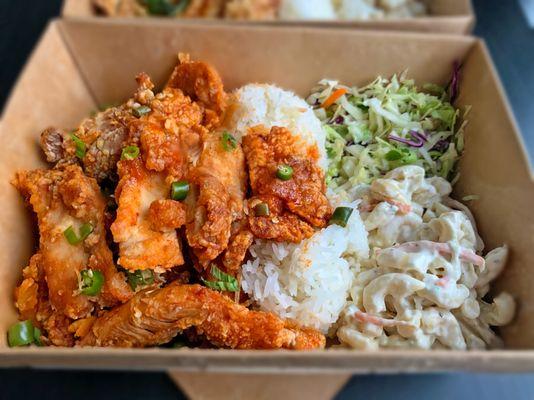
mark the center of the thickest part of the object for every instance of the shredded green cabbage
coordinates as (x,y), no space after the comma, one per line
(360,124)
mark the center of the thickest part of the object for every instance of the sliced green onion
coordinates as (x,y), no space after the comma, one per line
(141,110)
(179,190)
(80,146)
(228,141)
(284,172)
(341,216)
(140,278)
(37,336)
(261,210)
(91,282)
(73,238)
(130,153)
(225,282)
(21,334)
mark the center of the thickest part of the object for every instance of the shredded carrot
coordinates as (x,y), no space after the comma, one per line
(333,97)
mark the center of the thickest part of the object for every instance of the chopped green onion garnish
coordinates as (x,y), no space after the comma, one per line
(261,210)
(141,110)
(91,282)
(341,216)
(130,153)
(229,142)
(80,146)
(224,283)
(284,172)
(37,336)
(21,334)
(179,190)
(73,238)
(140,278)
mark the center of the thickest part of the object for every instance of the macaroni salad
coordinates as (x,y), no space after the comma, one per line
(425,280)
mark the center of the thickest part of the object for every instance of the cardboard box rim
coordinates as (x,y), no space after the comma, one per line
(452,23)
(275,361)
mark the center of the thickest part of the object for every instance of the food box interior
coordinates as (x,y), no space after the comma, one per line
(446,16)
(76,66)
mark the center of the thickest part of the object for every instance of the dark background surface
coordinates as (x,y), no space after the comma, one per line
(511,43)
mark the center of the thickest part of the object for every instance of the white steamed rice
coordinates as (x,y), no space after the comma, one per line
(310,281)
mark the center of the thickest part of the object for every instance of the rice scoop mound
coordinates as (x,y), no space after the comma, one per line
(310,281)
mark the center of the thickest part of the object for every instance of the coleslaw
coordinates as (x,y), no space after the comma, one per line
(387,124)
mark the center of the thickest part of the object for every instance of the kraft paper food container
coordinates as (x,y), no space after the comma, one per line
(446,16)
(76,66)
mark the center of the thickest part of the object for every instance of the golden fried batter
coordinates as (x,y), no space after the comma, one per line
(235,253)
(154,317)
(170,132)
(62,198)
(296,204)
(31,299)
(201,83)
(142,242)
(218,180)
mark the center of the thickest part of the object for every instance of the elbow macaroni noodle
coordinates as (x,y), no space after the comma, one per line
(424,283)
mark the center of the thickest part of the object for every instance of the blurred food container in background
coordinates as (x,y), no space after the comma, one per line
(444,16)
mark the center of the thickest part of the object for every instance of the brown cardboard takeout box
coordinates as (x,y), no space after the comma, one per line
(446,16)
(76,67)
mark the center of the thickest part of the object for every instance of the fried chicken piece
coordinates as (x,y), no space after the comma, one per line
(280,225)
(202,84)
(145,242)
(119,8)
(170,132)
(217,198)
(235,253)
(154,317)
(62,198)
(252,10)
(103,136)
(295,205)
(31,299)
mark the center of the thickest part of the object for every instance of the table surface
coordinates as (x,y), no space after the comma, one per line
(511,43)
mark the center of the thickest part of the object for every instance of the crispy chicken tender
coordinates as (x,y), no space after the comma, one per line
(146,235)
(295,205)
(62,198)
(154,317)
(217,198)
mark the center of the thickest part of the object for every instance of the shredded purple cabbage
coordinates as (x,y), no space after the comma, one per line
(419,139)
(339,120)
(454,85)
(442,145)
